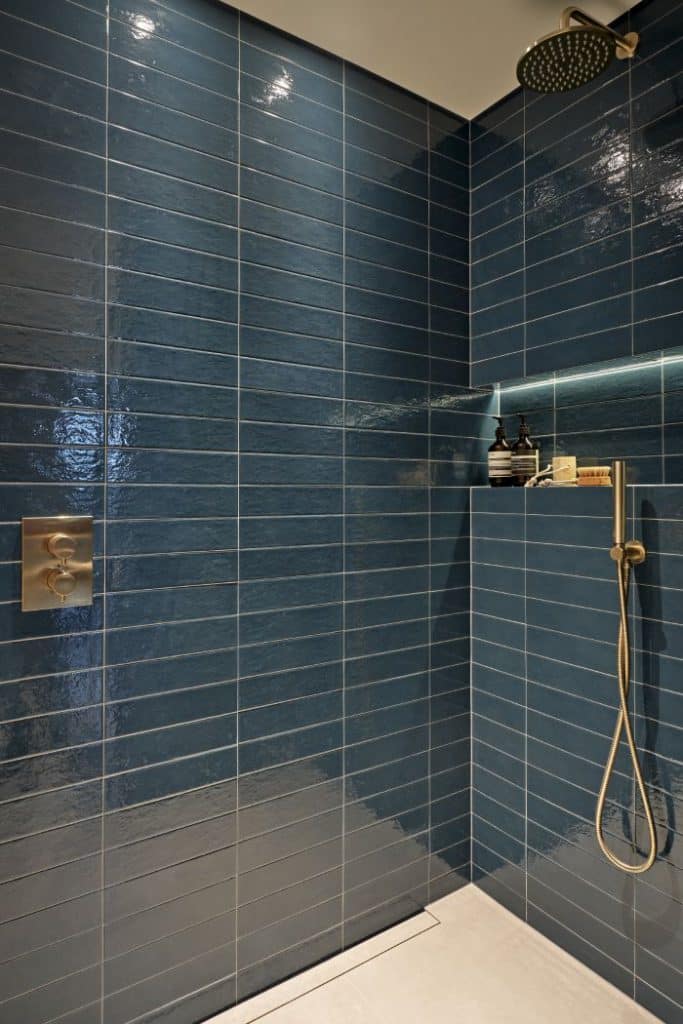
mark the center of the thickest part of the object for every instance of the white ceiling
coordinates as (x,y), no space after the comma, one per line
(461,54)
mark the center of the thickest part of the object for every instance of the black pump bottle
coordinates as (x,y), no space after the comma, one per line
(525,456)
(500,458)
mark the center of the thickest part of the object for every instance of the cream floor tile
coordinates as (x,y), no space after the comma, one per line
(479,965)
(339,1002)
(487,967)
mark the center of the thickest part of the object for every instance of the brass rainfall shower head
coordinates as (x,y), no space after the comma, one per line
(573,54)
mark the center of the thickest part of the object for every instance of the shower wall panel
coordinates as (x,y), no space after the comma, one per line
(544,706)
(576,215)
(234,330)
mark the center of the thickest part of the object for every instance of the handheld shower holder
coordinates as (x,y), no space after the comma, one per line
(633,551)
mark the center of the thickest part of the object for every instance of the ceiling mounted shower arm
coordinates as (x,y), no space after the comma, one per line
(626,46)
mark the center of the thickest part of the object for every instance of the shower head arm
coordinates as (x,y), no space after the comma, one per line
(626,45)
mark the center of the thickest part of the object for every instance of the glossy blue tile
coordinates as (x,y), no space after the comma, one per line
(295,288)
(283,469)
(296,591)
(271,66)
(281,255)
(287,233)
(387,226)
(174,126)
(60,127)
(131,502)
(289,500)
(390,200)
(53,161)
(453,171)
(260,35)
(288,104)
(290,379)
(89,28)
(150,185)
(158,156)
(387,115)
(406,180)
(275,131)
(179,24)
(35,40)
(506,188)
(500,238)
(490,166)
(306,199)
(271,313)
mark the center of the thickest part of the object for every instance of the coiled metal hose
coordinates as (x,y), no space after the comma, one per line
(623,564)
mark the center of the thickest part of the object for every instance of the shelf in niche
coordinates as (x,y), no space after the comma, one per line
(590,371)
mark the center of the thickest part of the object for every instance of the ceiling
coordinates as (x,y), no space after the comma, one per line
(460,54)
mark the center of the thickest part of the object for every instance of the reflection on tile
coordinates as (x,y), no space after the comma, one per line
(583,169)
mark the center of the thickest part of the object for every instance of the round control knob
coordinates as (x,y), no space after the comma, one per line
(62,546)
(61,582)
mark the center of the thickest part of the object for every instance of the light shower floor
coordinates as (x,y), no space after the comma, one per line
(465,960)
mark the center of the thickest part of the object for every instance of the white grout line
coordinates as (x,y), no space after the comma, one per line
(238,652)
(344,822)
(104,680)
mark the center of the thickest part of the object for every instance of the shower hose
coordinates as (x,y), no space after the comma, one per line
(624,726)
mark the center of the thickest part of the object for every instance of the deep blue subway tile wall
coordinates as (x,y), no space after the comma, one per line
(576,215)
(576,233)
(544,704)
(235,330)
(241,314)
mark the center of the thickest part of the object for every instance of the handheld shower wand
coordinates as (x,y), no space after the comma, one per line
(625,554)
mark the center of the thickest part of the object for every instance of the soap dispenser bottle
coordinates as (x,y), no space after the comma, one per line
(525,456)
(500,458)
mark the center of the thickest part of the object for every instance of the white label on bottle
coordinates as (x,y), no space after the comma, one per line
(500,464)
(525,465)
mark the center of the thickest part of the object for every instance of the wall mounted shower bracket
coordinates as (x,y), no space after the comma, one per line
(626,45)
(632,551)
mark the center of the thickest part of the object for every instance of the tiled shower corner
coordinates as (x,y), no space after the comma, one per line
(236,329)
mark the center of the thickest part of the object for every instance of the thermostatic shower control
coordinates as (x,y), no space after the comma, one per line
(57,566)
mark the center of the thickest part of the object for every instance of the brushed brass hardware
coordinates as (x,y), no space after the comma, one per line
(61,582)
(626,45)
(573,55)
(62,546)
(618,503)
(57,562)
(626,554)
(632,552)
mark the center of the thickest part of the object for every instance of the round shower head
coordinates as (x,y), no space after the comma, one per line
(566,59)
